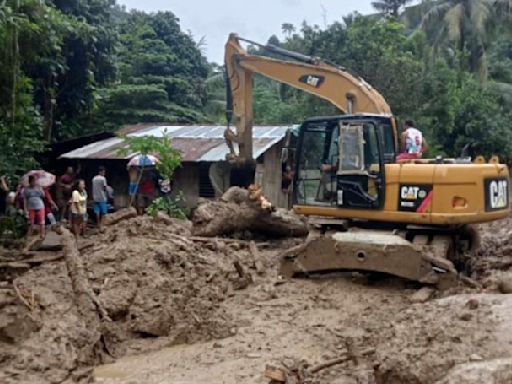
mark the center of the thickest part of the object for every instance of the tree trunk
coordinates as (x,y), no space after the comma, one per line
(88,307)
(15,65)
(240,210)
(49,95)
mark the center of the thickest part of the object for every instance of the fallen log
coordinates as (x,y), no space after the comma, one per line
(87,302)
(241,210)
(122,214)
(88,307)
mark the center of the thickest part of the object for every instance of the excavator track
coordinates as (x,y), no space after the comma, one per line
(428,255)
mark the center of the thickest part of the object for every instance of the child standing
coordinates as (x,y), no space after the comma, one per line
(79,208)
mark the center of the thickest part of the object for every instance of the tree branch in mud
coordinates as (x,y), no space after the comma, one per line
(340,360)
(242,210)
(301,374)
(87,302)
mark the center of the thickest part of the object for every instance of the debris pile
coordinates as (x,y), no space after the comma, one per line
(241,210)
(492,265)
(146,283)
(142,284)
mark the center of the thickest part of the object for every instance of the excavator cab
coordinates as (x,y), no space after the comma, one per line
(341,161)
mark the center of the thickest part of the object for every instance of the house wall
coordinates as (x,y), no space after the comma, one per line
(186,180)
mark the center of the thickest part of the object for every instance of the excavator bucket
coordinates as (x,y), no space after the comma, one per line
(423,259)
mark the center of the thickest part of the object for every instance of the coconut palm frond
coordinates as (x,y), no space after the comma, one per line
(454,19)
(480,14)
(435,15)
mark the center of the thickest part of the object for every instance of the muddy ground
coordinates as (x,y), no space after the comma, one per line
(179,312)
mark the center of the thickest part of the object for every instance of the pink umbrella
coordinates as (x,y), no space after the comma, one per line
(44,179)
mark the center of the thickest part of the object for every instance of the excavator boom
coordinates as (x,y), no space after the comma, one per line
(350,94)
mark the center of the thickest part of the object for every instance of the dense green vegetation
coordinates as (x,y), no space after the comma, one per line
(73,67)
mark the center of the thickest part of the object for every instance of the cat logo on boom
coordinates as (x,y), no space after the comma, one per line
(312,80)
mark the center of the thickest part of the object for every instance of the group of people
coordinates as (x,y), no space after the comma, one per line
(69,205)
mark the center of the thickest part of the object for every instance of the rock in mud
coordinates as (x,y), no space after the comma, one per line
(505,285)
(422,295)
(472,304)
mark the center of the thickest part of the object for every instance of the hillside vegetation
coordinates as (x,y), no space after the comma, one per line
(73,67)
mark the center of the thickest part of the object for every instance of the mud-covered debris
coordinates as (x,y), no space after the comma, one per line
(422,295)
(239,210)
(505,284)
(275,374)
(472,304)
(139,285)
(122,214)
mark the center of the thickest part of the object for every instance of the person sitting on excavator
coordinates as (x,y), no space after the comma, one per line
(413,144)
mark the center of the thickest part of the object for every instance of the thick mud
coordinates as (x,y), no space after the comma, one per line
(180,312)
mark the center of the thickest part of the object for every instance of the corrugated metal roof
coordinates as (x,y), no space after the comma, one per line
(196,143)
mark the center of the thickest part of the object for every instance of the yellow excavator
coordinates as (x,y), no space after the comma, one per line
(368,213)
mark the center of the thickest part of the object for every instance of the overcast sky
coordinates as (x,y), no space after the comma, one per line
(253,19)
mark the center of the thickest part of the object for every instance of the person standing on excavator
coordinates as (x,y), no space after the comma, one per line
(413,144)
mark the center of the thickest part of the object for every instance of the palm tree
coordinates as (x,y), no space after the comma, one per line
(464,23)
(287,29)
(390,7)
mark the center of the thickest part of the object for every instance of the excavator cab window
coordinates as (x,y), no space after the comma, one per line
(388,134)
(319,149)
(340,164)
(359,178)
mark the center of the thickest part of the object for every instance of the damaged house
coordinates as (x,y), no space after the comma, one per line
(204,173)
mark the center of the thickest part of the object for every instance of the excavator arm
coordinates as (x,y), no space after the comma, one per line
(348,93)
